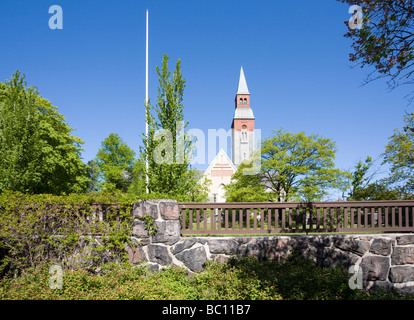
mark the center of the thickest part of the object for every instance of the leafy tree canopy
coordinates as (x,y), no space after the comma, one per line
(115,161)
(399,154)
(247,187)
(38,154)
(300,166)
(385,40)
(363,189)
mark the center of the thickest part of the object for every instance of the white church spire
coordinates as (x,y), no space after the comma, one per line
(242,84)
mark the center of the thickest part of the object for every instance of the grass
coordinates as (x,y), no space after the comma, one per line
(240,279)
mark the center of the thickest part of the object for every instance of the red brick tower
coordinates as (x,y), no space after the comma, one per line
(243,124)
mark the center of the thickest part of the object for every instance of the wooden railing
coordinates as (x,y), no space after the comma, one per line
(296,217)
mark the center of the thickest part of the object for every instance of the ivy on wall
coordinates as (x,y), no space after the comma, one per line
(72,230)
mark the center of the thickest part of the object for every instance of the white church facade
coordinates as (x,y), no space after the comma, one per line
(222,167)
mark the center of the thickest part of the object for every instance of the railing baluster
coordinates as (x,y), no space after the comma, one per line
(241,219)
(262,219)
(247,219)
(310,219)
(379,217)
(412,217)
(219,219)
(386,217)
(345,223)
(269,220)
(254,219)
(372,217)
(302,218)
(338,218)
(190,219)
(406,218)
(276,219)
(393,217)
(352,222)
(318,212)
(183,227)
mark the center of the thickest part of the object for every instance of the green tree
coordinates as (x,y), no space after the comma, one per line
(399,154)
(115,162)
(168,147)
(138,183)
(362,189)
(377,190)
(93,175)
(359,178)
(385,40)
(247,187)
(299,166)
(38,154)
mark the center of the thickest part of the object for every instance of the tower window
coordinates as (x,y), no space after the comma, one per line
(241,101)
(245,101)
(244,133)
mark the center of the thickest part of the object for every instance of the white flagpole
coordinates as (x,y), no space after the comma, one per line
(146,102)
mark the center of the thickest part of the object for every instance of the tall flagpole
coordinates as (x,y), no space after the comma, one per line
(146,103)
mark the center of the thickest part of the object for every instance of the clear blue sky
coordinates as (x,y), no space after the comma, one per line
(294,56)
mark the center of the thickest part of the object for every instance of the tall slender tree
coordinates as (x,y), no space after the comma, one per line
(169,148)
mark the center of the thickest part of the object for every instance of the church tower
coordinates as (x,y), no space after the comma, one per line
(243,124)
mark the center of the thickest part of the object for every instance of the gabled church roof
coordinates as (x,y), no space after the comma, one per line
(215,160)
(242,84)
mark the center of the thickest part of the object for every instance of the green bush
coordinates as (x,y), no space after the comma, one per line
(233,282)
(39,228)
(121,282)
(240,279)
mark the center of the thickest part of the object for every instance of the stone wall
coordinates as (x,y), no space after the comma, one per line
(384,260)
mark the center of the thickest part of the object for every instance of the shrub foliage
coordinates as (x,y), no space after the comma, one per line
(240,279)
(67,230)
